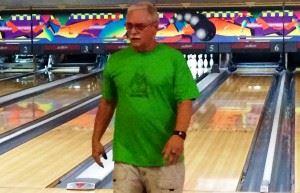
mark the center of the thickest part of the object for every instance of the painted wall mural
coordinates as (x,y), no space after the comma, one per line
(174,27)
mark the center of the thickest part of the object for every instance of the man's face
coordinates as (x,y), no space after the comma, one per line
(141,29)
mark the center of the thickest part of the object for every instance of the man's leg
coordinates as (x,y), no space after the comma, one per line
(166,179)
(126,179)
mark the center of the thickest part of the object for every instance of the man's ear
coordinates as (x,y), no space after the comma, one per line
(156,25)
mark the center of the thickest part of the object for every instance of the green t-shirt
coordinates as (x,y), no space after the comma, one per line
(147,87)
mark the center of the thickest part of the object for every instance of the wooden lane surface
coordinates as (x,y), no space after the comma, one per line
(297,132)
(44,159)
(8,74)
(10,86)
(221,133)
(29,109)
(55,190)
(18,84)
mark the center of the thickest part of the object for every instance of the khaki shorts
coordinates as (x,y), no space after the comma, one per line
(131,179)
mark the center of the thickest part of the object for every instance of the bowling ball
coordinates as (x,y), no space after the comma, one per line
(200,18)
(232,68)
(205,30)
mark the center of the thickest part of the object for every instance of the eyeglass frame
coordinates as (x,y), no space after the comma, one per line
(138,26)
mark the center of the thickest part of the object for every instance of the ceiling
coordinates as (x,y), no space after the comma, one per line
(122,4)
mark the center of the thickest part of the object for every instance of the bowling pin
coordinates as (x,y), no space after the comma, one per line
(205,62)
(194,66)
(189,61)
(211,61)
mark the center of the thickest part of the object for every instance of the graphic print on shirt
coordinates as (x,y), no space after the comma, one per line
(138,85)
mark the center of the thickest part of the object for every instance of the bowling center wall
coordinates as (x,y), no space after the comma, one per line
(190,30)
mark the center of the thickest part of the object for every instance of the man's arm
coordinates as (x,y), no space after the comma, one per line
(184,114)
(103,117)
(175,145)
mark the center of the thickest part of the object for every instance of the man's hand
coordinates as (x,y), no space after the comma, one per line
(97,151)
(173,149)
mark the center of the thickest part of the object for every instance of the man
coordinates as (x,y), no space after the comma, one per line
(151,88)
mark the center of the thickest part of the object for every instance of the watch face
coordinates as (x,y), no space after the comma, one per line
(181,134)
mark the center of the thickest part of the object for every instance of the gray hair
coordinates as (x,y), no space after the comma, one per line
(151,9)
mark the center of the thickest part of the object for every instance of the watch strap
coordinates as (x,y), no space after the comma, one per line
(181,134)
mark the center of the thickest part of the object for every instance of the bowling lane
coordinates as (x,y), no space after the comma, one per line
(221,133)
(56,190)
(297,132)
(52,190)
(17,84)
(4,75)
(29,109)
(44,159)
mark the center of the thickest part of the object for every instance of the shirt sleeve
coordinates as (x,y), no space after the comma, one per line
(185,85)
(109,91)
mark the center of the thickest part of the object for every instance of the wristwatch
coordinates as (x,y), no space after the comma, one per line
(181,134)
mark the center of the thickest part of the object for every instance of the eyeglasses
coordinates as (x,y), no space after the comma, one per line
(137,26)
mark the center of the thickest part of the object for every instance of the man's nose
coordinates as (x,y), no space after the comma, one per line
(133,30)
